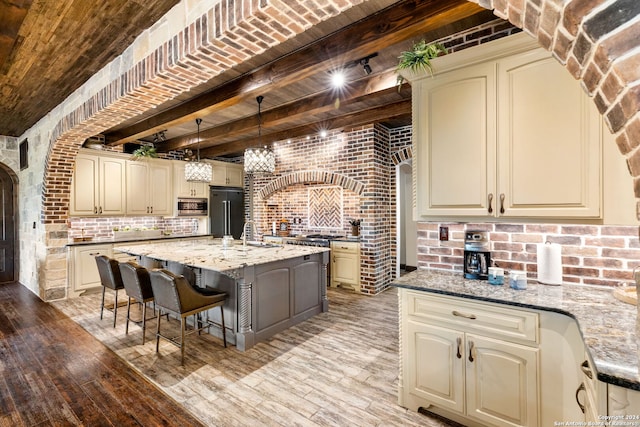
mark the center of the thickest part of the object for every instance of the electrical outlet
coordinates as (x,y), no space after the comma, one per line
(444,233)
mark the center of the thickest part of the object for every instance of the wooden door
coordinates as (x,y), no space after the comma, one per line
(549,140)
(435,368)
(501,382)
(454,143)
(8,227)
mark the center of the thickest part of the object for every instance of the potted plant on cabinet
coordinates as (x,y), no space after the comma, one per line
(418,59)
(144,151)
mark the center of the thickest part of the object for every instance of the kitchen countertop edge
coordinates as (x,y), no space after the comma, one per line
(612,363)
(108,240)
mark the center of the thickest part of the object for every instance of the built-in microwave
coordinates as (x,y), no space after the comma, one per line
(189,206)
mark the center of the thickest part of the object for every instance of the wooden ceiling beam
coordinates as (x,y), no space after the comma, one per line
(348,120)
(385,28)
(380,84)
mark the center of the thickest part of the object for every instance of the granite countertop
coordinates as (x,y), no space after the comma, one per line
(208,253)
(102,240)
(608,326)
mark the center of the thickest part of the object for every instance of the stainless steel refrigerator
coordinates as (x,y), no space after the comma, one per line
(226,211)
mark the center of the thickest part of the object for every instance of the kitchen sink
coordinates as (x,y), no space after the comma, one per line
(263,244)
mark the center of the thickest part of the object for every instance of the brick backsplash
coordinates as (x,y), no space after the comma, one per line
(102,227)
(591,254)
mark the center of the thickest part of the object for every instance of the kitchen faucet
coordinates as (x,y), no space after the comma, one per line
(254,231)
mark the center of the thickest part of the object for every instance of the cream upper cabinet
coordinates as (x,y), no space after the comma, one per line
(549,141)
(149,187)
(510,135)
(454,124)
(227,174)
(184,188)
(98,186)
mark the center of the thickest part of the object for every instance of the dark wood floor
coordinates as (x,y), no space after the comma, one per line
(54,373)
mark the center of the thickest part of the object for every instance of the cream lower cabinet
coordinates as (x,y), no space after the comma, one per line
(98,186)
(511,135)
(149,187)
(83,270)
(469,362)
(345,264)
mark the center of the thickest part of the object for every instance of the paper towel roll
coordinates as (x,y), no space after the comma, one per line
(550,264)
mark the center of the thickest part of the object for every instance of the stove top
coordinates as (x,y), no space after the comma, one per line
(322,236)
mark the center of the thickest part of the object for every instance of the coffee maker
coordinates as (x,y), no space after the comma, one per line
(477,257)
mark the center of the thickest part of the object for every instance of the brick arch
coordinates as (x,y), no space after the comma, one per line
(595,42)
(313,176)
(401,155)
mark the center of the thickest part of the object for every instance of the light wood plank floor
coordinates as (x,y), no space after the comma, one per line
(337,369)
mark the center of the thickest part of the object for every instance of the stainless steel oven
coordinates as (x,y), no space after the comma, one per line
(192,206)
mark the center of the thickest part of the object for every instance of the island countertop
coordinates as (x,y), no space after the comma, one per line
(608,326)
(208,253)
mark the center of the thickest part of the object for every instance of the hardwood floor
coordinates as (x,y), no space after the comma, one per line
(339,368)
(55,373)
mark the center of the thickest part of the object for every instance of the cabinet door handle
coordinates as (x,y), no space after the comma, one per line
(465,315)
(471,359)
(501,203)
(334,259)
(490,197)
(586,369)
(100,210)
(151,209)
(459,355)
(581,387)
(95,209)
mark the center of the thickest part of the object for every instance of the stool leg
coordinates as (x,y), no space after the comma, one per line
(102,304)
(182,326)
(126,328)
(144,320)
(158,331)
(224,331)
(115,309)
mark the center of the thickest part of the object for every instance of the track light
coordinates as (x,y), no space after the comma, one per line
(365,65)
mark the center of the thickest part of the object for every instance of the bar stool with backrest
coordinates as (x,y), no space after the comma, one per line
(109,278)
(137,284)
(174,294)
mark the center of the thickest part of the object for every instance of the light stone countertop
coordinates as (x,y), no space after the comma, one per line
(608,326)
(102,240)
(208,253)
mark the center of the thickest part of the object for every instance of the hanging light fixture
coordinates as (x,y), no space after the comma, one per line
(198,171)
(262,159)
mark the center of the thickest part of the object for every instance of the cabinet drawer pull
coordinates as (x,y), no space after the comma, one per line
(471,351)
(459,355)
(586,370)
(501,203)
(490,197)
(94,253)
(466,316)
(581,387)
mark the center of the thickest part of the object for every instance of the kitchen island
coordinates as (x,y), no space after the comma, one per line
(270,287)
(571,350)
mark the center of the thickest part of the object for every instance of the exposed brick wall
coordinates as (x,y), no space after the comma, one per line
(355,160)
(101,228)
(591,254)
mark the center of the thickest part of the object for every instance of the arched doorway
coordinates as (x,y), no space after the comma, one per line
(8,230)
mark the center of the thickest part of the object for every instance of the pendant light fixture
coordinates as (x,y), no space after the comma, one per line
(198,171)
(261,159)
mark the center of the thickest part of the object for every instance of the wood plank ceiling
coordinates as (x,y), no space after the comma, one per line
(297,98)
